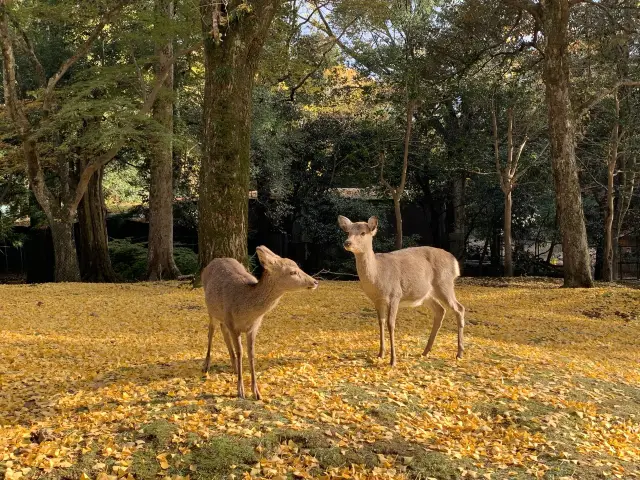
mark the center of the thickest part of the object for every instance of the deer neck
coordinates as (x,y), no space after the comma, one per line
(367,266)
(265,296)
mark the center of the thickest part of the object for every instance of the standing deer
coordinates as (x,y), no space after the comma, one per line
(239,302)
(406,277)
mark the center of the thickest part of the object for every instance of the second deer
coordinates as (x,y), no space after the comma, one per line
(407,277)
(239,302)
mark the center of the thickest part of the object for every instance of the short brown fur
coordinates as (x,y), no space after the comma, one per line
(410,276)
(239,302)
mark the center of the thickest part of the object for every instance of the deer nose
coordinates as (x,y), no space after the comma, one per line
(347,243)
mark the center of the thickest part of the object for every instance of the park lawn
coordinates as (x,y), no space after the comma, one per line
(103,381)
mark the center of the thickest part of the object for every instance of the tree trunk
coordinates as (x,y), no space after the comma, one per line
(230,66)
(457,236)
(575,249)
(397,208)
(66,260)
(612,162)
(93,242)
(508,249)
(161,264)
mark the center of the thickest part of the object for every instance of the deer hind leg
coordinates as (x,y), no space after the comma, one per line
(447,296)
(227,340)
(251,341)
(391,325)
(438,315)
(237,346)
(207,359)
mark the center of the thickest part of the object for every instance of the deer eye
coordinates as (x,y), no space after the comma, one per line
(293,272)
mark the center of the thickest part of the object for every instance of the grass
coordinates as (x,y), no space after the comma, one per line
(103,381)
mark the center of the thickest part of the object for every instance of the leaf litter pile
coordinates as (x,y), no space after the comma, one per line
(103,382)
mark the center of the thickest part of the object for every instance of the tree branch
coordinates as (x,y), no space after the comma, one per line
(81,52)
(97,163)
(319,64)
(42,76)
(596,99)
(496,144)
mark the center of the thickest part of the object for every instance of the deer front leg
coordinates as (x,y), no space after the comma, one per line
(237,346)
(391,325)
(382,316)
(251,340)
(207,359)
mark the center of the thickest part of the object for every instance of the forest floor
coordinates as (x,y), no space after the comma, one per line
(103,381)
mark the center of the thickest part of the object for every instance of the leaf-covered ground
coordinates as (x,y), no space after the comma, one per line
(103,381)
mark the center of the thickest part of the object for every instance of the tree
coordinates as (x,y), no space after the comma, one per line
(398,192)
(160,254)
(57,184)
(508,175)
(235,33)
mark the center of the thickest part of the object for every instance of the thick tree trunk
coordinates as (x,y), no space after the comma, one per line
(93,242)
(457,236)
(161,263)
(231,55)
(508,248)
(575,250)
(66,260)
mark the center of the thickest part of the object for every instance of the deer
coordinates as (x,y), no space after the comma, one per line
(238,301)
(406,277)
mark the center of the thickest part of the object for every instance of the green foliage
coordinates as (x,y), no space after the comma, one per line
(129,259)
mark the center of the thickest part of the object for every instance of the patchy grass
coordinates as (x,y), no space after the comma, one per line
(103,381)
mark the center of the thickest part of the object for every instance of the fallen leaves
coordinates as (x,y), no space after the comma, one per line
(543,385)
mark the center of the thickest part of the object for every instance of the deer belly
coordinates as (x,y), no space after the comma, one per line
(413,303)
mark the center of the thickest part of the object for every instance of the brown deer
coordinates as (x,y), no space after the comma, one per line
(406,277)
(239,302)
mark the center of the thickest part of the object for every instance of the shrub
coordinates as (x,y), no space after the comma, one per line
(129,259)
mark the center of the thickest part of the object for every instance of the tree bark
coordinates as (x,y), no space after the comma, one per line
(231,61)
(612,163)
(457,236)
(508,249)
(575,249)
(93,242)
(66,260)
(161,264)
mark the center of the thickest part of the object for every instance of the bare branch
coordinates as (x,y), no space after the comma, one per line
(496,144)
(383,181)
(42,76)
(411,106)
(596,99)
(534,9)
(319,64)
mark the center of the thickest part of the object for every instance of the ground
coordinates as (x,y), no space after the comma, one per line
(103,381)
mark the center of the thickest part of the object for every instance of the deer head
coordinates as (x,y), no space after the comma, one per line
(284,272)
(361,234)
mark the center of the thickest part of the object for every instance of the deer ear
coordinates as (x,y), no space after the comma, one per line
(344,223)
(267,257)
(373,225)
